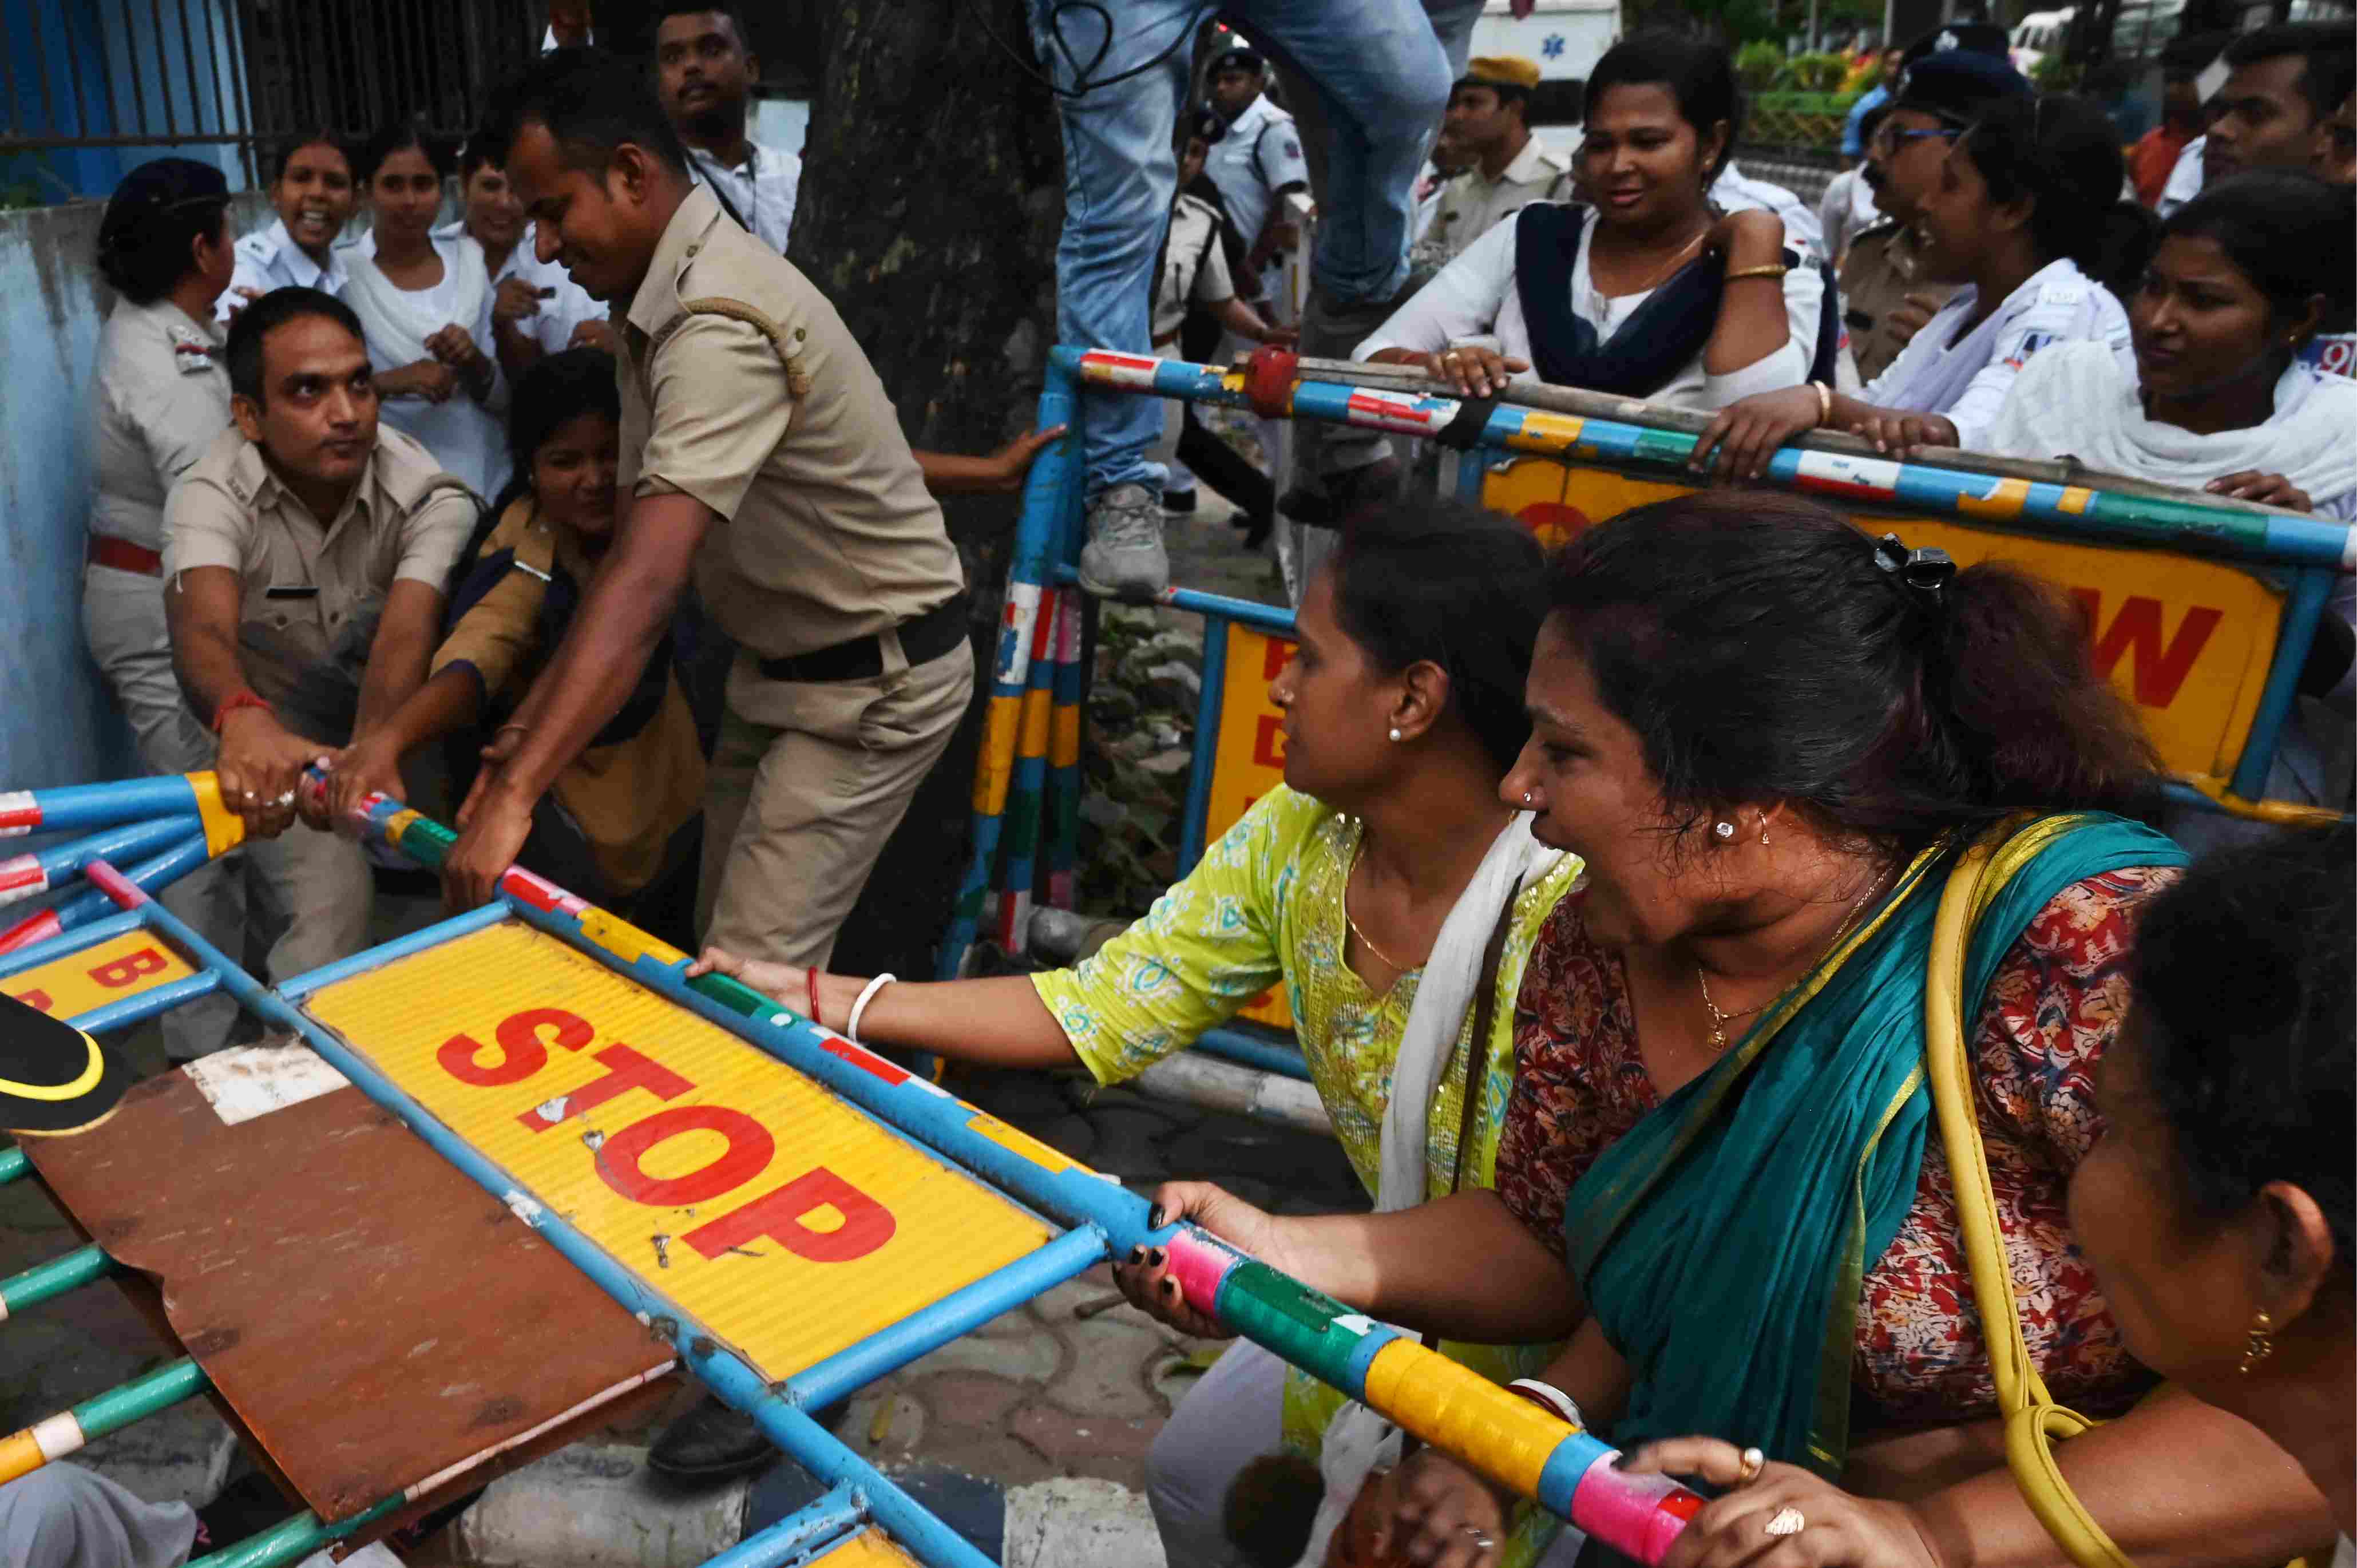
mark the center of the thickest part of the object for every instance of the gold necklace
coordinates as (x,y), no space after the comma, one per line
(1356,856)
(1654,282)
(1719,1020)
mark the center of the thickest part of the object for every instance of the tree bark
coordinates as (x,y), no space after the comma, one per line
(932,196)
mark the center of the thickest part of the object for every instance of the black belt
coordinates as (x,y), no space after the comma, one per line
(922,640)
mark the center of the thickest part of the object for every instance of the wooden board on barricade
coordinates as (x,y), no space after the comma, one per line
(2187,638)
(108,972)
(773,1212)
(376,1321)
(1250,760)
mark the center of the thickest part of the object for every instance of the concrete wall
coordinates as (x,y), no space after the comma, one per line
(57,725)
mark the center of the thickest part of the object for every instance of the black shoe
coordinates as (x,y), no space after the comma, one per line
(710,1442)
(1180,501)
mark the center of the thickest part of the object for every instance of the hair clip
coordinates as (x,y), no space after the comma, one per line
(1924,571)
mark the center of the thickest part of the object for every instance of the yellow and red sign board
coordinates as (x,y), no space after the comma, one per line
(1250,760)
(868,1549)
(2187,639)
(109,971)
(775,1213)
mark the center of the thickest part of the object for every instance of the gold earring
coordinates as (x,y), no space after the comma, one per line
(2260,1341)
(1763,832)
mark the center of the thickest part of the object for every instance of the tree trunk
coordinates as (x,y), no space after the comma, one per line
(930,199)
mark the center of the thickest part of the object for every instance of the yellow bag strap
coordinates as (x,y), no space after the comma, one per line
(2033,1421)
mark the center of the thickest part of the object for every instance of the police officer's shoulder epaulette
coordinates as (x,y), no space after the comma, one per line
(788,344)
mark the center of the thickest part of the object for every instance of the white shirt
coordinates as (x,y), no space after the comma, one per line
(269,258)
(1736,191)
(161,401)
(2184,179)
(468,438)
(1474,300)
(1846,211)
(763,189)
(1968,383)
(560,311)
(1258,155)
(1194,265)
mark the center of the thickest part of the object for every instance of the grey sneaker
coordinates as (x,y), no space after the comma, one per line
(1125,557)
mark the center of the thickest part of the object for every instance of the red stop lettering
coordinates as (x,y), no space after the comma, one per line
(1269,741)
(783,1217)
(128,968)
(35,998)
(748,1152)
(626,1069)
(1274,656)
(521,1051)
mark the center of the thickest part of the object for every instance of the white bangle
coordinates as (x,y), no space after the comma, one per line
(866,994)
(1547,1396)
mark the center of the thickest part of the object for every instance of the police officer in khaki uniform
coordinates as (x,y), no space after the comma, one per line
(305,555)
(1488,116)
(761,458)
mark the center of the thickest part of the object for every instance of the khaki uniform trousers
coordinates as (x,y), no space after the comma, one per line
(808,780)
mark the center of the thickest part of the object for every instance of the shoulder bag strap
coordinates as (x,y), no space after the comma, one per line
(2032,1420)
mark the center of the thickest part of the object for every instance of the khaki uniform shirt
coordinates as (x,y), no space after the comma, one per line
(742,387)
(1876,276)
(162,398)
(313,595)
(1471,204)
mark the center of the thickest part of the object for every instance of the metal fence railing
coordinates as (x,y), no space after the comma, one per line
(235,76)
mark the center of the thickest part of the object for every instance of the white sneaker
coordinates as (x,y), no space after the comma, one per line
(1125,557)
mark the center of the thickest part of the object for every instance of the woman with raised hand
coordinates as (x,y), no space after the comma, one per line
(1649,291)
(2027,216)
(1717,1172)
(536,307)
(428,314)
(1386,887)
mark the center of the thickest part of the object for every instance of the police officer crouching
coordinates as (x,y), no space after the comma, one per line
(305,555)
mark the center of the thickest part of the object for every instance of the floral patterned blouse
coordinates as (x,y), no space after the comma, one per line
(2052,1005)
(1264,905)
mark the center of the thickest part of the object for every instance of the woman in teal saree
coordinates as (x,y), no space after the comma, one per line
(1770,736)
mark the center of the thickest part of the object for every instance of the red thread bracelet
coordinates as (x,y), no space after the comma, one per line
(243,697)
(813,974)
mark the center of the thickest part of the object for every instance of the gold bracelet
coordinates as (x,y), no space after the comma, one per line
(1824,403)
(1772,270)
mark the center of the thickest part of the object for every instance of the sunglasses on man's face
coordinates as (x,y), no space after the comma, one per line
(1889,139)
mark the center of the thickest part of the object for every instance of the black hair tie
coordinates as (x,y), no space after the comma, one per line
(1923,573)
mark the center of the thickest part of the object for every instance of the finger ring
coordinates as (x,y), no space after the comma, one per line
(1480,1537)
(286,800)
(1788,1522)
(1754,1462)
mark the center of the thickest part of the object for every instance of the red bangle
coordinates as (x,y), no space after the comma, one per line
(243,697)
(813,974)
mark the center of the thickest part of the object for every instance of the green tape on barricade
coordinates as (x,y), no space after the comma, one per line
(1283,1315)
(735,995)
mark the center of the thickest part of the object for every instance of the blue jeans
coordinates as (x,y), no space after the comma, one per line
(1381,73)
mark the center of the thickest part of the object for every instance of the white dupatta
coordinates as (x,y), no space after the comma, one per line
(2072,401)
(1358,1439)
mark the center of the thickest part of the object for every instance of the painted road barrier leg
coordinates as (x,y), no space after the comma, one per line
(65,1432)
(293,1539)
(1064,782)
(55,1278)
(804,1532)
(1208,703)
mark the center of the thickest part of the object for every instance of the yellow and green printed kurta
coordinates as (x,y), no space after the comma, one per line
(1264,905)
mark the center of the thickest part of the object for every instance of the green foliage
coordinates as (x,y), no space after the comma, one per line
(1760,65)
(2052,73)
(1816,73)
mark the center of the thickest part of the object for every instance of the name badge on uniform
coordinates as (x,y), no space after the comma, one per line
(190,350)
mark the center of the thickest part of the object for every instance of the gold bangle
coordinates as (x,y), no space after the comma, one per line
(1772,270)
(1824,403)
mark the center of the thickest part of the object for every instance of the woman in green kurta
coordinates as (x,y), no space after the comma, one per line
(1378,876)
